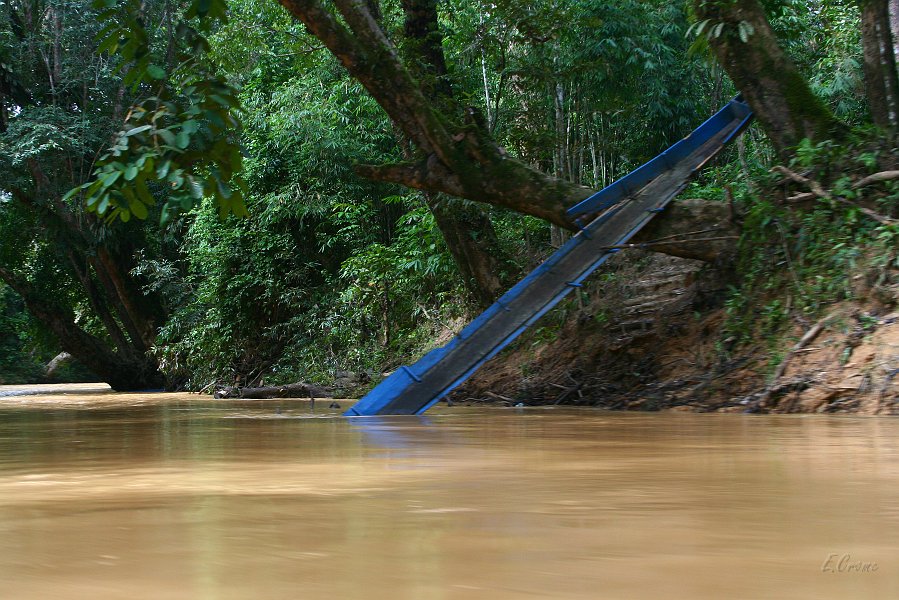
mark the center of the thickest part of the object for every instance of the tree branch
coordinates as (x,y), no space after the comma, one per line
(373,61)
(819,191)
(876,178)
(427,175)
(461,158)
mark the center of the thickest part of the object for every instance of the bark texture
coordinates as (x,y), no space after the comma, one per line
(881,81)
(779,95)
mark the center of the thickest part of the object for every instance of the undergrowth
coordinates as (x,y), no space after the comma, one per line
(801,252)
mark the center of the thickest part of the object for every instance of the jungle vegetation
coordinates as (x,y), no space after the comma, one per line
(208,191)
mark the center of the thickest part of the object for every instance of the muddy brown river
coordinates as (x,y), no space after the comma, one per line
(178,496)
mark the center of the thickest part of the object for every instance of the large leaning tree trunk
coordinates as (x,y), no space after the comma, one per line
(457,154)
(881,80)
(781,98)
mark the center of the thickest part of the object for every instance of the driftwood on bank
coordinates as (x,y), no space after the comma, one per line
(290,390)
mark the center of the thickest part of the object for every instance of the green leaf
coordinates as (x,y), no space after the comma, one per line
(190,126)
(196,187)
(143,193)
(130,173)
(138,208)
(182,141)
(137,130)
(225,190)
(701,26)
(238,207)
(176,179)
(72,192)
(109,177)
(167,136)
(156,72)
(110,44)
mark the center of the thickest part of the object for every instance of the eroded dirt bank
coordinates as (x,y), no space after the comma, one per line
(649,335)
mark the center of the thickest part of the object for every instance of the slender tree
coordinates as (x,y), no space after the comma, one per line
(881,80)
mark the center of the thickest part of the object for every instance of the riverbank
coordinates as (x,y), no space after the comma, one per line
(677,353)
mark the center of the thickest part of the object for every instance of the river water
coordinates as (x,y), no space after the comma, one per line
(178,496)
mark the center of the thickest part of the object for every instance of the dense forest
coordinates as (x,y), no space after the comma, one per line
(204,193)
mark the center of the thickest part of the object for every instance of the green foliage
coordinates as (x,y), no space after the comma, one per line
(208,114)
(331,272)
(18,363)
(182,134)
(563,81)
(397,281)
(794,263)
(260,306)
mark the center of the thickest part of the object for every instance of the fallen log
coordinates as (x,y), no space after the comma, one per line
(290,390)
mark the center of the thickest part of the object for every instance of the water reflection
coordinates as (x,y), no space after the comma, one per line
(179,496)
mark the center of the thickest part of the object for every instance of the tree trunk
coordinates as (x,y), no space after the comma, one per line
(122,373)
(472,241)
(466,227)
(894,26)
(779,95)
(458,155)
(143,312)
(889,64)
(881,87)
(127,314)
